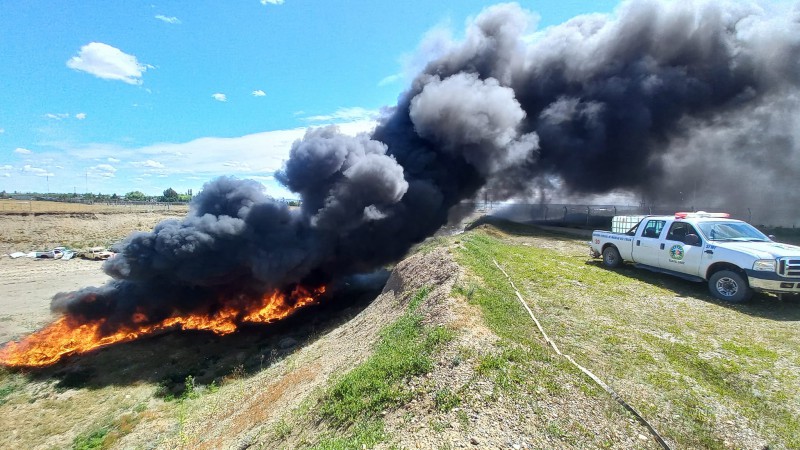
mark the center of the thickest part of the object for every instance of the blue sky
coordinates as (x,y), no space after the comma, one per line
(121,96)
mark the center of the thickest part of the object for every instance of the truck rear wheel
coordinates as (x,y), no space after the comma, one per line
(611,258)
(729,286)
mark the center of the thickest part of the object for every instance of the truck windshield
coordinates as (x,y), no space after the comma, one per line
(731,231)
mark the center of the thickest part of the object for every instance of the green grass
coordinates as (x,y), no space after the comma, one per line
(405,349)
(106,435)
(9,383)
(95,439)
(365,433)
(686,360)
(445,400)
(282,429)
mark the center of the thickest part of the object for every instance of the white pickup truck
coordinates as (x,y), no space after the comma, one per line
(732,256)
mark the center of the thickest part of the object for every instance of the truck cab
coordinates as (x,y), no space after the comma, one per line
(732,256)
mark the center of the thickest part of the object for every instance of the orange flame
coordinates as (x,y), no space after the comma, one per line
(66,337)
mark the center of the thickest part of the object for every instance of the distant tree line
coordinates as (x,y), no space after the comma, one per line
(169,195)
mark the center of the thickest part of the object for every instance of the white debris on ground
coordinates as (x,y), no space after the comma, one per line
(65,254)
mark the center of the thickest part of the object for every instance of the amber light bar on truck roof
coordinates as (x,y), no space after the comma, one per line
(700,214)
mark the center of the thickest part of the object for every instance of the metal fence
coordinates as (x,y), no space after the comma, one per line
(599,216)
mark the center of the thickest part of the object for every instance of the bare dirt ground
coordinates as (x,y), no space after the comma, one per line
(28,285)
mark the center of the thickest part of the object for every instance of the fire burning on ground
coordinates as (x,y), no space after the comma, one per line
(66,336)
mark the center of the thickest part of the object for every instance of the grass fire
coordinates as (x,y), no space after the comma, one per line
(67,335)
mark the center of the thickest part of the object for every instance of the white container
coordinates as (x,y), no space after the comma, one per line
(622,224)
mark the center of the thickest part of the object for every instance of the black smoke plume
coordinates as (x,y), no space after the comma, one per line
(656,97)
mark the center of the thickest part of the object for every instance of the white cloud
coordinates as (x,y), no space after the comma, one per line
(57,116)
(22,151)
(272,2)
(107,62)
(355,114)
(80,116)
(6,167)
(2,130)
(391,79)
(248,156)
(259,93)
(219,97)
(172,20)
(149,163)
(7,175)
(37,171)
(102,171)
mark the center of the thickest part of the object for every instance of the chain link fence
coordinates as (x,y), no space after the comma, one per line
(599,216)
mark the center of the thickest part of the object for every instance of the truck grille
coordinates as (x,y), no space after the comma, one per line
(789,267)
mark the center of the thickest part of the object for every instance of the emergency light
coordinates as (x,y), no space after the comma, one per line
(700,214)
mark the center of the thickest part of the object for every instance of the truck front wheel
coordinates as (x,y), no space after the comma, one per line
(729,286)
(611,258)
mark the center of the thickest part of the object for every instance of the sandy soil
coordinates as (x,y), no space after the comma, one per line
(27,286)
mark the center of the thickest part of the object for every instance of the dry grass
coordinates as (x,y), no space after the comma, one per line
(8,206)
(74,230)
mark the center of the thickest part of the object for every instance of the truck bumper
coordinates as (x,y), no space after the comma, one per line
(770,282)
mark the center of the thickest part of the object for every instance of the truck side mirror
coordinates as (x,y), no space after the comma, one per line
(692,239)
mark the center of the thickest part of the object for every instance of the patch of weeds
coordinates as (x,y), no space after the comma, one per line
(190,389)
(8,386)
(405,349)
(509,368)
(489,363)
(418,297)
(702,423)
(363,435)
(554,429)
(466,291)
(720,375)
(445,400)
(170,389)
(752,350)
(95,439)
(465,353)
(282,429)
(105,436)
(438,425)
(463,419)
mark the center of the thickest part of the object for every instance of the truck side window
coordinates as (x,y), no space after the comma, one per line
(679,230)
(653,228)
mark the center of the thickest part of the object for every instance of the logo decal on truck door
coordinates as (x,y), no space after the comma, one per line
(676,252)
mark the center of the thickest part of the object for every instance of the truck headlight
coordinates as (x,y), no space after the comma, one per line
(764,264)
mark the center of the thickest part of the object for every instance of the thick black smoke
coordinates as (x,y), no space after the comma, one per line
(658,96)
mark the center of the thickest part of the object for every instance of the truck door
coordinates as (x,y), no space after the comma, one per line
(647,245)
(679,256)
